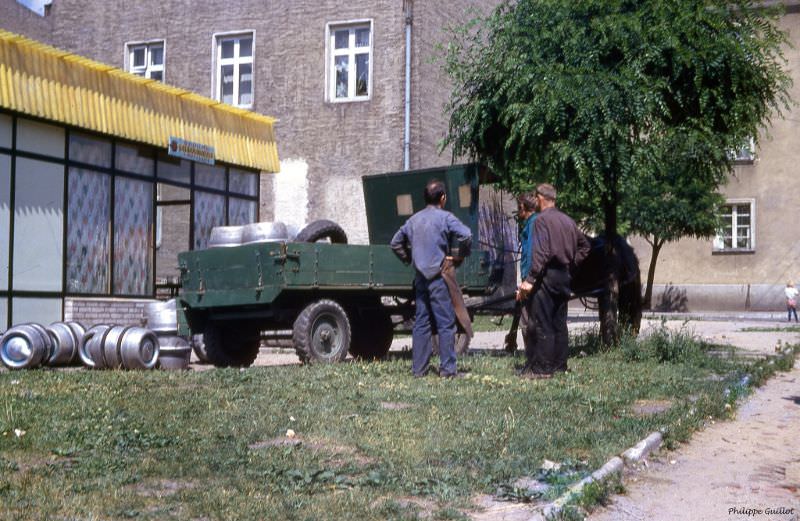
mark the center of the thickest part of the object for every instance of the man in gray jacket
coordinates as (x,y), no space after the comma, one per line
(424,241)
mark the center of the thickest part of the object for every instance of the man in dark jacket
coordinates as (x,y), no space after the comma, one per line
(424,241)
(558,247)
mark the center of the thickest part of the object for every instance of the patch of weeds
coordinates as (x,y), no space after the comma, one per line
(568,513)
(586,342)
(663,345)
(775,329)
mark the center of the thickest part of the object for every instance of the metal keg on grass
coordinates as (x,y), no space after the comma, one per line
(138,348)
(174,352)
(112,346)
(66,340)
(23,347)
(90,348)
(161,317)
(47,341)
(225,236)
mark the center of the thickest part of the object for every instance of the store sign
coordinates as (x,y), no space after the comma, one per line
(191,150)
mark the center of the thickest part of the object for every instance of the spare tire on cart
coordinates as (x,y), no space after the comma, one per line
(322,229)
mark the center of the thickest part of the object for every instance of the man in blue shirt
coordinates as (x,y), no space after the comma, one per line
(526,214)
(424,241)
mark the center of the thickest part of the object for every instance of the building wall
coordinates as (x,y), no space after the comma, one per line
(325,147)
(687,270)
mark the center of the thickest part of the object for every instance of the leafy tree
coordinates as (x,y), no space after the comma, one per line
(590,95)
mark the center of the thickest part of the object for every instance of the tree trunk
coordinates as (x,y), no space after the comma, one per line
(609,301)
(651,272)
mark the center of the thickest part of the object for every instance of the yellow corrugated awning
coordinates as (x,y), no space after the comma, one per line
(42,81)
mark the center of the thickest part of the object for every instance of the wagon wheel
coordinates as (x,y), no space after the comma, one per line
(321,333)
(373,332)
(230,346)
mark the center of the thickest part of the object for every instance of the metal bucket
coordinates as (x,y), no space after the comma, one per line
(264,232)
(224,236)
(161,316)
(65,342)
(23,347)
(139,348)
(112,350)
(90,348)
(174,353)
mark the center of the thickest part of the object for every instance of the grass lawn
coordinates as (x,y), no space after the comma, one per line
(370,442)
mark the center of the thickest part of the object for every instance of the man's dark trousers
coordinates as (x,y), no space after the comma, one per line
(548,310)
(433,305)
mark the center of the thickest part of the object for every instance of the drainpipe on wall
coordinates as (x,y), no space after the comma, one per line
(407,8)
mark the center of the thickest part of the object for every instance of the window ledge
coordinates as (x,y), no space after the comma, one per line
(349,100)
(740,251)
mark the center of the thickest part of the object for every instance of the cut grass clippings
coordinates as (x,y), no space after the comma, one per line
(319,442)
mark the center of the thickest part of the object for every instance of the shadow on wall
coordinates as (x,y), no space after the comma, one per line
(672,299)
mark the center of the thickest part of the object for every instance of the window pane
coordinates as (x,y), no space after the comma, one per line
(743,209)
(39,310)
(89,149)
(245,84)
(226,84)
(5,219)
(362,37)
(133,159)
(245,47)
(138,57)
(3,313)
(362,74)
(341,76)
(156,55)
(245,183)
(88,225)
(227,48)
(342,39)
(133,225)
(174,225)
(40,138)
(172,193)
(209,211)
(38,225)
(5,131)
(241,211)
(156,75)
(210,176)
(174,169)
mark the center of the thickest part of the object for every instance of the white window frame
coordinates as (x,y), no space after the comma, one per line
(236,61)
(331,53)
(148,68)
(719,240)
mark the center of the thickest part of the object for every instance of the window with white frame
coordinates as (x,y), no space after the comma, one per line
(745,153)
(737,226)
(147,59)
(234,70)
(349,68)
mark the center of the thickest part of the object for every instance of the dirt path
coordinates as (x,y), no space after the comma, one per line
(748,468)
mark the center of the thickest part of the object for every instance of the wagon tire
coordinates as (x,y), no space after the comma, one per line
(322,229)
(321,333)
(372,335)
(231,345)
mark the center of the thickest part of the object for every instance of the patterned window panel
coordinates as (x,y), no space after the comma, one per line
(209,211)
(133,225)
(88,238)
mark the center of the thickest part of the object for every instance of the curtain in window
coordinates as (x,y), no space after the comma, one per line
(88,223)
(241,211)
(133,222)
(209,211)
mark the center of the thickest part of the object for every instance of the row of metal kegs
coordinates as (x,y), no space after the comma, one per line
(27,346)
(223,236)
(103,346)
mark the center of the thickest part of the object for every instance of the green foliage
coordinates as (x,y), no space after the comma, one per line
(662,345)
(617,102)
